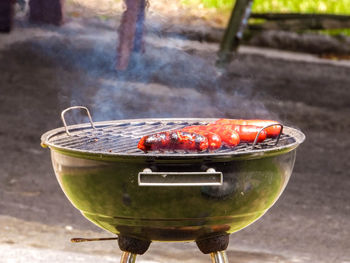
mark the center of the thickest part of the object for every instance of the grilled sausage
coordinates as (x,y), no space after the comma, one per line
(229,137)
(272,131)
(173,140)
(154,142)
(214,140)
(247,133)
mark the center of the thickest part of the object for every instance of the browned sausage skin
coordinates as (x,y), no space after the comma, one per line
(214,140)
(173,140)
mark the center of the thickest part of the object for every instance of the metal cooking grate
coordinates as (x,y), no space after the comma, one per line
(122,138)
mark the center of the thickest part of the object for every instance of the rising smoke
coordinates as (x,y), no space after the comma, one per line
(175,77)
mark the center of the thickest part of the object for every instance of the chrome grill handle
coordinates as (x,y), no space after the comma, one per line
(263,128)
(72,108)
(209,178)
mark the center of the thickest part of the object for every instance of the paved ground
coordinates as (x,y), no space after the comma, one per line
(44,70)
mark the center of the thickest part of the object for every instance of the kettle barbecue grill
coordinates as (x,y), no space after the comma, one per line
(172,195)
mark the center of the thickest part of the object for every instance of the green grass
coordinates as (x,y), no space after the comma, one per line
(286,6)
(334,32)
(303,6)
(217,4)
(300,6)
(307,6)
(221,4)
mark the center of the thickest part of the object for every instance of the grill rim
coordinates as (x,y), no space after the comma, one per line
(256,153)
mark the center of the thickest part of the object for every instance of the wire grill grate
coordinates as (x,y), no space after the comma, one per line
(122,138)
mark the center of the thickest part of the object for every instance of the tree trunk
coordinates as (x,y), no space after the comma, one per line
(46,11)
(234,31)
(130,32)
(6,15)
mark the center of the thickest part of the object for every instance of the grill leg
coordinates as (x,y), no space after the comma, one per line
(128,257)
(215,246)
(219,257)
(131,247)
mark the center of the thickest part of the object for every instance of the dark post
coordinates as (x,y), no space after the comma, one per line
(234,31)
(130,32)
(46,11)
(6,15)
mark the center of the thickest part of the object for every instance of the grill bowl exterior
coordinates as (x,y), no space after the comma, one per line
(105,188)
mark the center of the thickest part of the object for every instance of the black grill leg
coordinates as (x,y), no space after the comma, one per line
(131,247)
(215,246)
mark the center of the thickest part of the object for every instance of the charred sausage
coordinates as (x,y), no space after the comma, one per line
(173,140)
(154,142)
(214,140)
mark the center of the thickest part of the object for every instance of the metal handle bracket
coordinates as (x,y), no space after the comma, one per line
(72,108)
(263,128)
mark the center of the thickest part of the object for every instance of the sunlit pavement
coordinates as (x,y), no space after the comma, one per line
(15,254)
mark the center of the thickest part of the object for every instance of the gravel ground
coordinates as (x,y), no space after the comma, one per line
(46,69)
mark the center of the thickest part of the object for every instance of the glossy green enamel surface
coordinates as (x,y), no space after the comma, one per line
(108,194)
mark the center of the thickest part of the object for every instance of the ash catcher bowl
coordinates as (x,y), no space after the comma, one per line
(167,196)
